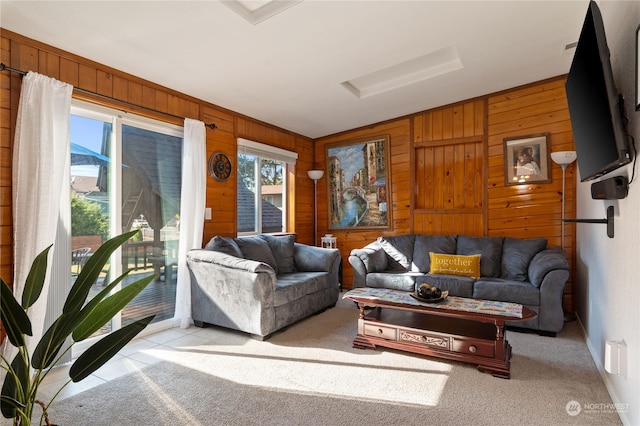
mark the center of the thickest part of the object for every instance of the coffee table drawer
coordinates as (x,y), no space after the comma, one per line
(474,347)
(424,339)
(380,331)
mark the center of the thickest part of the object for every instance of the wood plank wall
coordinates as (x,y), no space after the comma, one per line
(449,156)
(446,164)
(532,210)
(30,55)
(453,183)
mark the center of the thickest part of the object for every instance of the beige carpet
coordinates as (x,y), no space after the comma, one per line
(309,374)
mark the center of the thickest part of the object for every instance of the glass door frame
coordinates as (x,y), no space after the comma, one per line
(118,118)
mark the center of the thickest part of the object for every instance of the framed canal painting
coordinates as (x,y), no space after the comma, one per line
(358,183)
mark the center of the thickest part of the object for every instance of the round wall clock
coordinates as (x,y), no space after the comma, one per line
(219,166)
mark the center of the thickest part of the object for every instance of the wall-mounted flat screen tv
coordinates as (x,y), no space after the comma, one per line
(594,103)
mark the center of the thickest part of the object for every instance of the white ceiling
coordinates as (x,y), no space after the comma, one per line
(289,69)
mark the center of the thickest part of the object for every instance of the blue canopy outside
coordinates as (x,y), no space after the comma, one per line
(81,156)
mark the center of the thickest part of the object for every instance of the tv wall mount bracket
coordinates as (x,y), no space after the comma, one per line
(608,221)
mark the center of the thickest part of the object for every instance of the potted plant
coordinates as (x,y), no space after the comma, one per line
(79,319)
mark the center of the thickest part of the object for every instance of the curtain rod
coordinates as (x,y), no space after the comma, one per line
(211,126)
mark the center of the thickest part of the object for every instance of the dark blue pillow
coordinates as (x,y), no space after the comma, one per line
(256,248)
(224,245)
(283,248)
(490,249)
(431,243)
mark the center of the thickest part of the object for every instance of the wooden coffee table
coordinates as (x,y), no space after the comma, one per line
(460,329)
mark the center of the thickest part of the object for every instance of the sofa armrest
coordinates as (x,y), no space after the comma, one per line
(232,292)
(370,258)
(544,262)
(227,261)
(315,259)
(551,314)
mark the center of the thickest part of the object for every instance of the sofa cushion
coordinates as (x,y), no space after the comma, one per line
(430,243)
(224,245)
(517,254)
(455,285)
(522,292)
(404,281)
(255,248)
(294,286)
(282,247)
(455,264)
(399,248)
(490,248)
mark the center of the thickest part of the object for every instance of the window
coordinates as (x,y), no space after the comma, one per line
(126,174)
(262,187)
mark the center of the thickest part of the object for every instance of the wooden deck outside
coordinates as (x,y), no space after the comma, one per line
(159,298)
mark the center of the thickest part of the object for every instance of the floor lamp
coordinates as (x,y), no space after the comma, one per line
(563,158)
(315,175)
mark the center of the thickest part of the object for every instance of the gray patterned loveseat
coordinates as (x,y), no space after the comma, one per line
(514,270)
(261,284)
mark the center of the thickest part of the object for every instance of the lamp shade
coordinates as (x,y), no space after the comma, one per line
(315,174)
(564,157)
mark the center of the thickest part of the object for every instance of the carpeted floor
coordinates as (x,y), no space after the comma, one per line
(309,374)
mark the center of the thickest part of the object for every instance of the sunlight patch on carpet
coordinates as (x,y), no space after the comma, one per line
(403,379)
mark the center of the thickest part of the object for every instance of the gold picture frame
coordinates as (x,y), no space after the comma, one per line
(526,159)
(358,179)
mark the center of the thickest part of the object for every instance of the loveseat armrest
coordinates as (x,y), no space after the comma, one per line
(315,259)
(232,292)
(544,262)
(370,258)
(228,261)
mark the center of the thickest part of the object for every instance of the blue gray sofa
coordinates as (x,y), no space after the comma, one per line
(514,270)
(261,284)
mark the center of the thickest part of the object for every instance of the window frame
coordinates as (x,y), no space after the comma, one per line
(288,159)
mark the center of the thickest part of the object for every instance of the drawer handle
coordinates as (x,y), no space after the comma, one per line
(472,349)
(379,332)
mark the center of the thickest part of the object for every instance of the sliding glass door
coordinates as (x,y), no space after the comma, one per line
(125,175)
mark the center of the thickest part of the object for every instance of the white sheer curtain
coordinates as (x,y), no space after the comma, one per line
(192,199)
(40,164)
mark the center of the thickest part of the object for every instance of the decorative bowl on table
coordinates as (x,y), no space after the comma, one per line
(429,294)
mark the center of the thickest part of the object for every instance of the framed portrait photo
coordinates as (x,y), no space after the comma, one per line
(526,159)
(358,184)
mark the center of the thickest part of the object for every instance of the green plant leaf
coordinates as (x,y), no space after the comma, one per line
(35,279)
(14,318)
(15,387)
(103,350)
(91,271)
(11,406)
(52,340)
(106,309)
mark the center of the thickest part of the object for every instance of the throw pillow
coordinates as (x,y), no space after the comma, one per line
(489,247)
(517,254)
(224,245)
(451,264)
(255,248)
(431,243)
(399,248)
(282,247)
